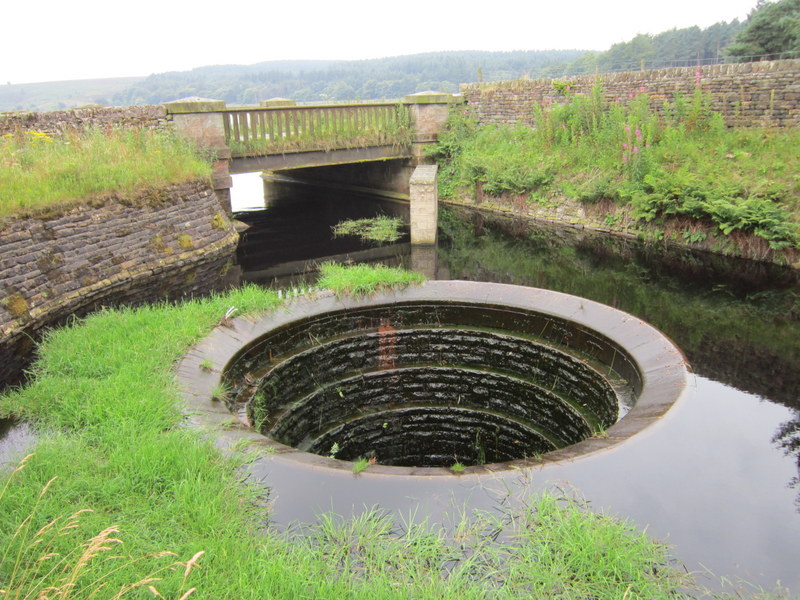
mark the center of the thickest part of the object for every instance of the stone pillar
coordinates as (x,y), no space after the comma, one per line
(424,260)
(429,111)
(277,103)
(201,120)
(424,197)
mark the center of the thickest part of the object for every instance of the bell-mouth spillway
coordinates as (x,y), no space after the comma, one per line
(485,376)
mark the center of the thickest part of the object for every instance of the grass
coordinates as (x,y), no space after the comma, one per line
(380,229)
(39,172)
(360,465)
(362,280)
(679,163)
(114,448)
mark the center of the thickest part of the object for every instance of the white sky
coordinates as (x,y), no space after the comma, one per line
(51,40)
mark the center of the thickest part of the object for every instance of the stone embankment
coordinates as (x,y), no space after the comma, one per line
(164,244)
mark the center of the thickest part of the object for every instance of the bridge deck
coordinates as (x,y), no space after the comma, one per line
(317,158)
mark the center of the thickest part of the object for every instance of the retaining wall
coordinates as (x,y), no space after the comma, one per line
(169,244)
(747,94)
(59,121)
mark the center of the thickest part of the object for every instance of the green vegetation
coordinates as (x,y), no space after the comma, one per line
(381,229)
(458,467)
(361,465)
(39,172)
(772,28)
(674,48)
(362,280)
(116,449)
(681,163)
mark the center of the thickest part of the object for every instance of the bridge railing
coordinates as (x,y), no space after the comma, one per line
(252,131)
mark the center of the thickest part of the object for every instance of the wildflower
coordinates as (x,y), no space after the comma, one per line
(624,158)
(638,134)
(625,145)
(635,149)
(628,128)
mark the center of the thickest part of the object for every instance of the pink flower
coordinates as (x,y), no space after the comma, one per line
(624,145)
(624,158)
(638,134)
(635,149)
(627,128)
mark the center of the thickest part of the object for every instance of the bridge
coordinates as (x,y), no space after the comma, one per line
(279,134)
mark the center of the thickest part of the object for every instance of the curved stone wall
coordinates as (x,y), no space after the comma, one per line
(168,243)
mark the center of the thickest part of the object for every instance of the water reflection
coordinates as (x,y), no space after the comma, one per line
(788,439)
(737,321)
(287,240)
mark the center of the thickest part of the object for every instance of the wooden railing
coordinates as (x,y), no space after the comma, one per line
(278,130)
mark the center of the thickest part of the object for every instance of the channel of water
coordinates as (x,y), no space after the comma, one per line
(712,479)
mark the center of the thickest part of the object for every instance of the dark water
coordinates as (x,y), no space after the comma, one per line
(714,478)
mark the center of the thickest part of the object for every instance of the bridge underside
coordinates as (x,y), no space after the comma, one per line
(317,158)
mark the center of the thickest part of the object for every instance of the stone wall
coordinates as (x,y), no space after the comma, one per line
(747,94)
(56,122)
(174,243)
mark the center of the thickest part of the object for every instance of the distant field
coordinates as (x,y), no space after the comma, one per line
(56,95)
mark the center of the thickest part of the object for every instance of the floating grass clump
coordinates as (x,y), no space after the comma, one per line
(39,171)
(381,229)
(362,280)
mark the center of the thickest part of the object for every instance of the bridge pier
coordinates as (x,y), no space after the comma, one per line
(424,201)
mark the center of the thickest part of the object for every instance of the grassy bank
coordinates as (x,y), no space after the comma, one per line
(677,165)
(113,441)
(38,171)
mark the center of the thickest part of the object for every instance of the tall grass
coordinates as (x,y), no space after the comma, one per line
(678,162)
(39,171)
(103,397)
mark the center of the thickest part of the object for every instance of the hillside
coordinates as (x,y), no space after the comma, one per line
(314,81)
(58,95)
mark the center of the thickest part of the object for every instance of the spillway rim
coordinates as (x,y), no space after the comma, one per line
(665,373)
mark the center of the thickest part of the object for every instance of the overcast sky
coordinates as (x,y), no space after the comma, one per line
(54,40)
